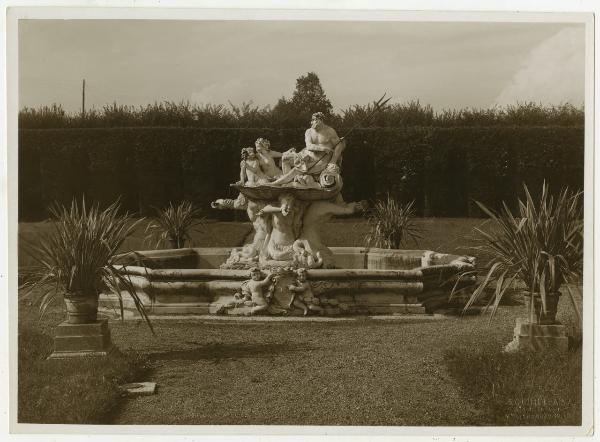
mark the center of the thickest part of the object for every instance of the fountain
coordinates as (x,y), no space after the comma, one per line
(287,268)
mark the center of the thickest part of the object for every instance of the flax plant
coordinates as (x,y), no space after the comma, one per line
(390,224)
(75,259)
(541,248)
(175,225)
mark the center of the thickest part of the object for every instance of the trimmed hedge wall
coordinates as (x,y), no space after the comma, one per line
(442,169)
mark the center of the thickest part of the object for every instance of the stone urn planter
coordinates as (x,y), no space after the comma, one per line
(549,316)
(81,309)
(176,243)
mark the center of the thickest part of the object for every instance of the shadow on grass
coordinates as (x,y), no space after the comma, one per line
(70,391)
(218,351)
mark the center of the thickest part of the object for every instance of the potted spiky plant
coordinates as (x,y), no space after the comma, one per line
(174,225)
(74,259)
(391,224)
(541,248)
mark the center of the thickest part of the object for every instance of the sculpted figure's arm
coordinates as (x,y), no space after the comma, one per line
(242,172)
(267,280)
(275,154)
(295,288)
(334,139)
(301,287)
(269,209)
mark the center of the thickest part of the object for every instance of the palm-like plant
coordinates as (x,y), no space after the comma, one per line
(391,223)
(74,259)
(175,225)
(542,248)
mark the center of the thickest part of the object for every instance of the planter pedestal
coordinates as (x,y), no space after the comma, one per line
(543,337)
(82,340)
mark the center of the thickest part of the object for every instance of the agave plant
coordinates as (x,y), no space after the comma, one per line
(391,223)
(175,224)
(541,248)
(74,259)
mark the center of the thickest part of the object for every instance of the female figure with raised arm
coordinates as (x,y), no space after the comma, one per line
(266,158)
(281,238)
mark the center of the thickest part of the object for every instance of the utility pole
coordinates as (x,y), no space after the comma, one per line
(83,99)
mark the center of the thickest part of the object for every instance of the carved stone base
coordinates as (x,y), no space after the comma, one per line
(82,340)
(538,337)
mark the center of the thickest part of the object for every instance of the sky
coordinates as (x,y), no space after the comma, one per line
(445,65)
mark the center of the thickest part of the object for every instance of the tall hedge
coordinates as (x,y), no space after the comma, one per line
(442,169)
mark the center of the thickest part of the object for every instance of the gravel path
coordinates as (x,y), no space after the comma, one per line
(360,372)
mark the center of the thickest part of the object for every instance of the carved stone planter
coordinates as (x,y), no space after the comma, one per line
(81,309)
(176,243)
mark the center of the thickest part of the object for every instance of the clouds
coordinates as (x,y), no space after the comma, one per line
(552,73)
(446,65)
(235,89)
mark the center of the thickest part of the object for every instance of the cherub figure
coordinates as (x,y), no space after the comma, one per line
(256,287)
(303,258)
(282,236)
(266,158)
(302,294)
(250,172)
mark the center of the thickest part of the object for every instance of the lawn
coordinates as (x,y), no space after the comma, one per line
(445,370)
(363,372)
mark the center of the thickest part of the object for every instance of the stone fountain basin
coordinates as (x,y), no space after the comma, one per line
(366,281)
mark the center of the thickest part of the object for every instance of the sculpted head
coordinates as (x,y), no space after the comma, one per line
(301,274)
(287,203)
(248,153)
(262,144)
(317,120)
(255,274)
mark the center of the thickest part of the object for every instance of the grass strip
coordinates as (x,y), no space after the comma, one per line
(522,388)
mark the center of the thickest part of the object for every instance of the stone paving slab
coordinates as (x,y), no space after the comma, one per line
(139,388)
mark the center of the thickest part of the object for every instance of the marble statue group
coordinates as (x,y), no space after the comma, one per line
(288,196)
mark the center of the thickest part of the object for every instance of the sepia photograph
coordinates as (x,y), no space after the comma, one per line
(325,220)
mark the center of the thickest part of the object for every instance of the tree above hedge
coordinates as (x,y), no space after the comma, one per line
(307,98)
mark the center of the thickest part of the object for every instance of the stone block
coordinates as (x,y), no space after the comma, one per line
(100,327)
(79,343)
(416,309)
(181,309)
(332,311)
(80,340)
(524,328)
(536,337)
(543,343)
